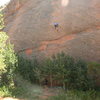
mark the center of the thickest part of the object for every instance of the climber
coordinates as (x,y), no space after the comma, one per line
(56,25)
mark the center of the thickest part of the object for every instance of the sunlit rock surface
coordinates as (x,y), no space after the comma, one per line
(29,24)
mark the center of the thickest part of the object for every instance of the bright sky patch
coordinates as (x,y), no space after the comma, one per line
(3,2)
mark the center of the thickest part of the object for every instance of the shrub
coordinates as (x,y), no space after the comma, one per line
(5,92)
(94,72)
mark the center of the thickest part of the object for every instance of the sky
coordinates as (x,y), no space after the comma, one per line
(2,2)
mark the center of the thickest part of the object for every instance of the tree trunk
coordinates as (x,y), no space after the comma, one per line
(51,81)
(64,86)
(63,83)
(40,81)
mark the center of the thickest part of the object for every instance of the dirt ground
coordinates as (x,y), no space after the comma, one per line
(47,92)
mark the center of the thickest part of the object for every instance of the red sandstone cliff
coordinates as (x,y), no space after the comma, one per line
(29,23)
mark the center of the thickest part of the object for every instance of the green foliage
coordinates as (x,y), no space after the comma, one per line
(24,90)
(70,74)
(77,95)
(3,38)
(1,21)
(7,57)
(94,72)
(94,69)
(83,81)
(64,66)
(61,69)
(26,68)
(5,92)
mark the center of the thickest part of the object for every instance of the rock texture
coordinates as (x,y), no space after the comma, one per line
(29,23)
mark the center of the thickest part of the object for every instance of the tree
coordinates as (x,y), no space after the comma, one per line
(82,81)
(48,70)
(65,66)
(59,63)
(7,56)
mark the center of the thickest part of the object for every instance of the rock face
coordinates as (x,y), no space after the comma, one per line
(29,23)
